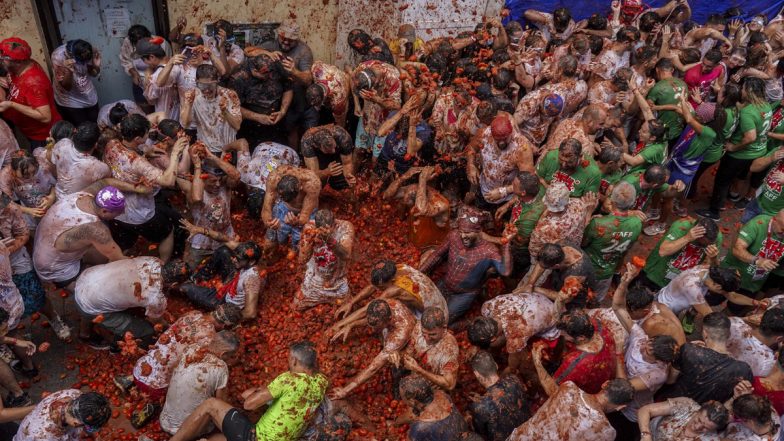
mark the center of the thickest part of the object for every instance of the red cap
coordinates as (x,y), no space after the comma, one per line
(501,127)
(15,48)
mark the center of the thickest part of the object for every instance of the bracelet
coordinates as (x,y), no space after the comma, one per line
(503,191)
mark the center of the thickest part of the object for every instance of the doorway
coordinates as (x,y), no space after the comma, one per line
(104,24)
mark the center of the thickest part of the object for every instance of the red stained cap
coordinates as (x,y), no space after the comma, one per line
(15,48)
(501,127)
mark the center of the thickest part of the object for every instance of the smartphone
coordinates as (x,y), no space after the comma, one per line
(188,53)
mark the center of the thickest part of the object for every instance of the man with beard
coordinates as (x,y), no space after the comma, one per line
(469,256)
(567,165)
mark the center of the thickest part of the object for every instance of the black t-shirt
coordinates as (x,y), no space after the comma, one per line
(502,408)
(448,429)
(705,375)
(261,96)
(344,144)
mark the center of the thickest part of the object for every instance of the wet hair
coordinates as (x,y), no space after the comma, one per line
(24,161)
(719,119)
(483,363)
(717,325)
(714,56)
(711,228)
(383,271)
(727,278)
(91,409)
(225,25)
(568,65)
(621,78)
(657,129)
(752,407)
(206,72)
(81,50)
(755,89)
(597,22)
(134,126)
(484,91)
(665,348)
(62,129)
(717,414)
(655,174)
(305,353)
(486,110)
(772,324)
(229,340)
(580,44)
(609,154)
(85,136)
(756,56)
(757,37)
(228,314)
(624,196)
(638,298)
(561,19)
(532,39)
(364,79)
(529,182)
(436,62)
(482,331)
(596,43)
(648,20)
(432,318)
(169,127)
(3,316)
(288,188)
(732,95)
(502,79)
(315,94)
(551,254)
(513,26)
(619,391)
(249,250)
(107,135)
(645,54)
(137,32)
(360,38)
(716,19)
(690,55)
(174,271)
(117,113)
(576,324)
(665,64)
(324,218)
(414,387)
(571,145)
(378,313)
(627,34)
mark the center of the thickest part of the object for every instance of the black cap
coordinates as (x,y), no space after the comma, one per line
(145,47)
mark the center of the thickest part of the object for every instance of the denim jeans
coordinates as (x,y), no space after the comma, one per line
(752,209)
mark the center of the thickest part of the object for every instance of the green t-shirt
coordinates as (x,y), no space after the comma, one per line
(665,92)
(755,117)
(716,149)
(652,154)
(662,270)
(761,244)
(296,398)
(643,196)
(607,238)
(701,143)
(525,216)
(773,144)
(769,194)
(585,178)
(608,180)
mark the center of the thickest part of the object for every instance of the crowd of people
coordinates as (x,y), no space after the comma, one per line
(534,158)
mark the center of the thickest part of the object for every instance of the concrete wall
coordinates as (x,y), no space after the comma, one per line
(317,18)
(18,18)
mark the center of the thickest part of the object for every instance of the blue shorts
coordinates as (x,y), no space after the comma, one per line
(281,235)
(32,291)
(368,142)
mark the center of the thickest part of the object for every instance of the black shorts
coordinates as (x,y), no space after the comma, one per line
(65,283)
(154,230)
(237,427)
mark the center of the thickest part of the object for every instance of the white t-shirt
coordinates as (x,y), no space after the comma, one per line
(165,98)
(743,346)
(213,129)
(522,316)
(652,374)
(75,170)
(737,431)
(120,285)
(685,290)
(254,170)
(10,299)
(103,113)
(82,93)
(192,384)
(39,426)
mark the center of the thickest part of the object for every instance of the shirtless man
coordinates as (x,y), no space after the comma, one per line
(290,201)
(429,209)
(73,228)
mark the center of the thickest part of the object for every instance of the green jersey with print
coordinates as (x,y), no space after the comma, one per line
(609,179)
(652,154)
(776,126)
(585,178)
(525,216)
(296,396)
(701,143)
(764,244)
(756,117)
(607,238)
(668,91)
(769,195)
(662,270)
(716,149)
(643,196)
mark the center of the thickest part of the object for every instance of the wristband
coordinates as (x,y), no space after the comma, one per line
(503,191)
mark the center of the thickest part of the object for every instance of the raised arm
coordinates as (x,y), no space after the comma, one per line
(619,298)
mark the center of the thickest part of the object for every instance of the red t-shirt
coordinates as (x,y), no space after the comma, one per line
(33,88)
(776,397)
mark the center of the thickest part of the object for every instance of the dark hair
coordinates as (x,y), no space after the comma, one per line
(609,154)
(206,72)
(551,254)
(324,218)
(288,188)
(619,391)
(134,126)
(714,56)
(482,331)
(228,314)
(597,22)
(62,129)
(378,313)
(645,54)
(529,182)
(755,88)
(571,145)
(249,250)
(117,113)
(91,409)
(561,19)
(416,388)
(727,278)
(314,94)
(137,32)
(576,324)
(757,37)
(732,95)
(717,325)
(716,19)
(383,271)
(360,38)
(81,50)
(690,55)
(719,119)
(3,316)
(655,174)
(24,161)
(752,407)
(772,324)
(85,136)
(225,25)
(627,34)
(657,129)
(638,298)
(596,43)
(169,127)
(483,363)
(486,110)
(305,353)
(568,65)
(665,348)
(364,79)
(717,414)
(513,26)
(665,64)
(436,62)
(648,20)
(229,340)
(174,271)
(432,318)
(502,79)
(711,228)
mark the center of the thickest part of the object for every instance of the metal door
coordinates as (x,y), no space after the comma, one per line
(104,23)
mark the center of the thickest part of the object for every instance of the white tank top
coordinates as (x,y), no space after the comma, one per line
(51,264)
